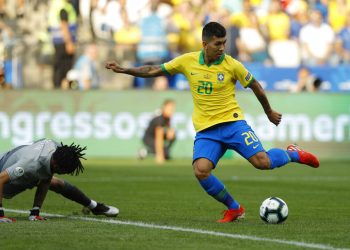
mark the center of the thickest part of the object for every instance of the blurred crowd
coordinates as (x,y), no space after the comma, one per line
(37,51)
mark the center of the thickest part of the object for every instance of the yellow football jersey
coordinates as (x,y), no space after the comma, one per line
(212,87)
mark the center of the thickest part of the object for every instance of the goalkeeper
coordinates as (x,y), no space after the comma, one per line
(34,165)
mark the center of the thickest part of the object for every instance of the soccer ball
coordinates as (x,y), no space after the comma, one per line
(273,210)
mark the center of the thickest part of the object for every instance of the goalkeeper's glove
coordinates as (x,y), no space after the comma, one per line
(34,214)
(3,218)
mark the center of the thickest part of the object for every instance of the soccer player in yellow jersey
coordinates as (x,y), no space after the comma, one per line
(217,117)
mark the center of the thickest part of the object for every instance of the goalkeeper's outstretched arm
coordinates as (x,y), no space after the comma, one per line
(4,178)
(145,71)
(41,192)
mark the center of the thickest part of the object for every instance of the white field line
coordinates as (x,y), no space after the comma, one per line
(230,178)
(189,230)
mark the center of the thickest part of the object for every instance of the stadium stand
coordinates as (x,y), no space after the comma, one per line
(264,34)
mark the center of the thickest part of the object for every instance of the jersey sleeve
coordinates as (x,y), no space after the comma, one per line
(242,74)
(174,66)
(17,170)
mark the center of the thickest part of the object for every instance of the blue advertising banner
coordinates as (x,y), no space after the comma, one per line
(334,79)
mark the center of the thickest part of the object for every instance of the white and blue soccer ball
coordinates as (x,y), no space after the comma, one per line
(273,210)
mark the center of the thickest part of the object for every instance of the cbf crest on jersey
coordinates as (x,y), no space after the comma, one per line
(221,77)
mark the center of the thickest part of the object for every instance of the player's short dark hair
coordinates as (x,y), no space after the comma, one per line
(67,158)
(213,29)
(167,101)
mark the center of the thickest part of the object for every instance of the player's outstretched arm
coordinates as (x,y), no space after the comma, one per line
(39,198)
(4,178)
(259,92)
(142,71)
(41,192)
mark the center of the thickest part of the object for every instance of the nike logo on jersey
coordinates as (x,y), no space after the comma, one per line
(255,146)
(192,73)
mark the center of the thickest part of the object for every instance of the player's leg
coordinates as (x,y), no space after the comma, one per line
(149,148)
(205,157)
(211,184)
(170,138)
(269,160)
(301,156)
(11,190)
(276,157)
(71,192)
(249,146)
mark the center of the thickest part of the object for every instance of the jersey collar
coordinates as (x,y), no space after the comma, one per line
(202,62)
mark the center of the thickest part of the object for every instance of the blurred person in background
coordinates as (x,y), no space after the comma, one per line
(63,30)
(283,51)
(299,16)
(338,10)
(134,9)
(2,76)
(187,18)
(317,41)
(45,57)
(76,6)
(10,55)
(2,59)
(84,72)
(233,6)
(153,47)
(126,39)
(342,43)
(2,9)
(306,81)
(276,23)
(159,135)
(86,9)
(232,34)
(19,8)
(106,19)
(321,6)
(251,42)
(210,10)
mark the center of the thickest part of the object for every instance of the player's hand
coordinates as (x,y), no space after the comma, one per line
(114,66)
(34,215)
(274,117)
(4,219)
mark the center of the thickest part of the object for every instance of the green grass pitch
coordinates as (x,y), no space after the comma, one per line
(169,195)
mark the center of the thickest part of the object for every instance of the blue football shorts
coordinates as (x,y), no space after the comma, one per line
(213,142)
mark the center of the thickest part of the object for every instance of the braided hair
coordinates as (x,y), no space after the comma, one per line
(68,158)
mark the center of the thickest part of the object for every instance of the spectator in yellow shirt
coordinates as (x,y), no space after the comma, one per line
(337,12)
(276,23)
(126,38)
